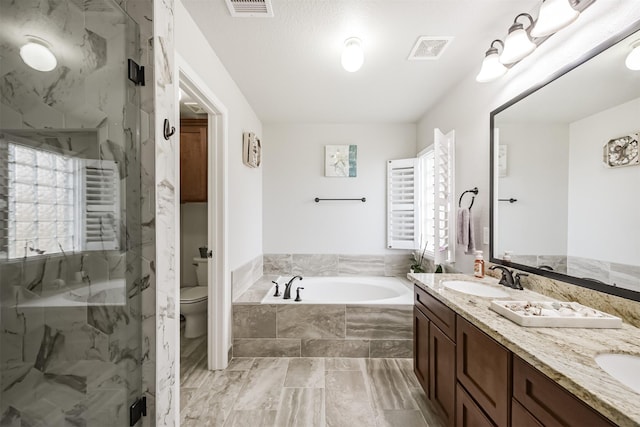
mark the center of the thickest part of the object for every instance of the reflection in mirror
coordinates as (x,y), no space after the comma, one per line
(566,171)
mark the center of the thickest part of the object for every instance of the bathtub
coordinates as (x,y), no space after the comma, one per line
(356,290)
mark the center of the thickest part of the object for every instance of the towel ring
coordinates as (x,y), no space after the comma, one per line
(474,190)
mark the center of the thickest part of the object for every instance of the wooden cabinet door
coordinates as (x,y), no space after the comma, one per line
(421,348)
(549,402)
(483,367)
(193,160)
(520,417)
(468,414)
(442,366)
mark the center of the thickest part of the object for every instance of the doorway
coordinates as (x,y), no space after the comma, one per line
(208,107)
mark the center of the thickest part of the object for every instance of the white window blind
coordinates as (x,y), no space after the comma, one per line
(420,201)
(53,203)
(402,204)
(443,196)
(100,210)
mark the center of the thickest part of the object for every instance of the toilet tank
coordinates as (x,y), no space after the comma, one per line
(201,271)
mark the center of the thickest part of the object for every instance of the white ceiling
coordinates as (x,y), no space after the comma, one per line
(289,68)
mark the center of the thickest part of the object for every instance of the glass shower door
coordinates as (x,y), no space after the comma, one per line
(70,262)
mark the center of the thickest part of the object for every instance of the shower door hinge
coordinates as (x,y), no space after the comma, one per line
(136,73)
(137,410)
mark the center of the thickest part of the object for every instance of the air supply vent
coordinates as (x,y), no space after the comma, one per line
(250,8)
(429,48)
(195,107)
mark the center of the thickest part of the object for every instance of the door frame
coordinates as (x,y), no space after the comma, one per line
(219,283)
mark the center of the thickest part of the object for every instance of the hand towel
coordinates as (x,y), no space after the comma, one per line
(464,230)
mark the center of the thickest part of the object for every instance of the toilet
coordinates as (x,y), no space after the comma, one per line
(193,302)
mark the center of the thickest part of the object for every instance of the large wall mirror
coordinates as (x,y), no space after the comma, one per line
(566,174)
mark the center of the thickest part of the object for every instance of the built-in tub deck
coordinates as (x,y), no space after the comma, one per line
(320,330)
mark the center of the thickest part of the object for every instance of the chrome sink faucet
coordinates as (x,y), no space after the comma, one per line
(287,287)
(508,278)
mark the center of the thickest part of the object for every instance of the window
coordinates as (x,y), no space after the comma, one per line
(420,201)
(57,203)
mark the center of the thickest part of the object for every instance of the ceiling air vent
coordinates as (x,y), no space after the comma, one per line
(250,8)
(429,48)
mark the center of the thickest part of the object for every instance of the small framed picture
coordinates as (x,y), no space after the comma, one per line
(251,150)
(340,160)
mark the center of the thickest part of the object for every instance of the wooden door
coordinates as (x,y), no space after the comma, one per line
(442,366)
(193,160)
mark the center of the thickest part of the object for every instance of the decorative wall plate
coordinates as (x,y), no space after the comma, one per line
(622,151)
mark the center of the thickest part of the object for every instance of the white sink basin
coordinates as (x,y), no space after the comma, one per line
(623,367)
(477,289)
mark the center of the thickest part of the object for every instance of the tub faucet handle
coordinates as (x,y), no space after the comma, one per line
(298,293)
(277,293)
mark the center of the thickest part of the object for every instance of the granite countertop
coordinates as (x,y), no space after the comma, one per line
(566,355)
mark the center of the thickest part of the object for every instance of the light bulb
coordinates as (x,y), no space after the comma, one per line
(554,15)
(491,68)
(352,55)
(38,56)
(633,59)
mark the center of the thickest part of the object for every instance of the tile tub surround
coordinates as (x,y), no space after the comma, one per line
(300,391)
(338,264)
(319,330)
(244,276)
(564,355)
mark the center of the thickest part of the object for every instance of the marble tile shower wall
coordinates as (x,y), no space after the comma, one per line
(337,264)
(82,362)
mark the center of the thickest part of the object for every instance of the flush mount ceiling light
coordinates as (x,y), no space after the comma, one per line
(352,54)
(554,15)
(633,59)
(38,56)
(517,45)
(492,68)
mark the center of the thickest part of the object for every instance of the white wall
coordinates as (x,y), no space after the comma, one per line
(597,192)
(245,184)
(541,193)
(293,161)
(193,234)
(466,107)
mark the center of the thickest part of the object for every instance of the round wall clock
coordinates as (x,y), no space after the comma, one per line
(622,151)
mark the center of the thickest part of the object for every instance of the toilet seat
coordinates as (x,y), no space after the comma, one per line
(193,294)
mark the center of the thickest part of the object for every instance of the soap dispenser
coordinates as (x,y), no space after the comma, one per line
(478,265)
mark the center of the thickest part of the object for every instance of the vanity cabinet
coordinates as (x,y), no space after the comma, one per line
(541,399)
(193,160)
(434,353)
(483,368)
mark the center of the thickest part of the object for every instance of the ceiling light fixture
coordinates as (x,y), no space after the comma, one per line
(38,56)
(352,54)
(517,45)
(492,68)
(633,59)
(553,16)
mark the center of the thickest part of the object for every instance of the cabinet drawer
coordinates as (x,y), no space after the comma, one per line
(551,404)
(483,367)
(437,312)
(520,417)
(468,414)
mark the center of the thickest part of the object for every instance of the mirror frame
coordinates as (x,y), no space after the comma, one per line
(586,283)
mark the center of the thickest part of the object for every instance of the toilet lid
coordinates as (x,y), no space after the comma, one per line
(193,294)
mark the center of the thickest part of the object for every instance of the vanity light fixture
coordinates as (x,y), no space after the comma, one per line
(517,45)
(633,59)
(492,68)
(553,16)
(352,54)
(38,56)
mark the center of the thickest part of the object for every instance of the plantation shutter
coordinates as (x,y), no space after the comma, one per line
(99,184)
(444,223)
(402,204)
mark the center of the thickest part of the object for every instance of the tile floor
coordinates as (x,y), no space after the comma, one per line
(302,392)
